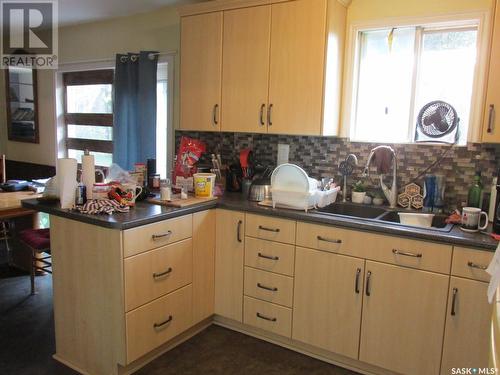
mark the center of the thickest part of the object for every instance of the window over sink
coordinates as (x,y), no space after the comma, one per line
(400,69)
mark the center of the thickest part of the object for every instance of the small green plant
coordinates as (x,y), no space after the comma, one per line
(358,187)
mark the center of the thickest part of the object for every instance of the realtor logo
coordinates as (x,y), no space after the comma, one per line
(29,33)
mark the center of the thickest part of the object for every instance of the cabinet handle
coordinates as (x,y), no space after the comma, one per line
(454,301)
(160,236)
(238,231)
(335,240)
(259,315)
(161,274)
(269,115)
(406,254)
(368,291)
(491,118)
(271,289)
(271,257)
(356,284)
(160,325)
(262,106)
(215,114)
(275,230)
(475,265)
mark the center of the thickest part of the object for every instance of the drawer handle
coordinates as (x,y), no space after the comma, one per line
(160,236)
(259,315)
(272,257)
(406,254)
(475,265)
(162,324)
(238,231)
(356,284)
(275,230)
(161,274)
(271,289)
(320,238)
(368,290)
(454,301)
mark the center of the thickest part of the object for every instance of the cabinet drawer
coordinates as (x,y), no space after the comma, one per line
(269,286)
(269,256)
(153,324)
(388,249)
(157,272)
(267,316)
(471,263)
(270,228)
(147,237)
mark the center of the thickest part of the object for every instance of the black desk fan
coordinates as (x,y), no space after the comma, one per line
(437,122)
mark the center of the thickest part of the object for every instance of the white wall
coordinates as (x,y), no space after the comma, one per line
(158,30)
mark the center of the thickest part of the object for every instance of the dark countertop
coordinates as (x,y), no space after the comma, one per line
(146,213)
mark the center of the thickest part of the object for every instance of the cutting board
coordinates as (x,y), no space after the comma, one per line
(178,202)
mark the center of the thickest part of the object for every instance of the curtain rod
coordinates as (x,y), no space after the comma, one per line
(110,60)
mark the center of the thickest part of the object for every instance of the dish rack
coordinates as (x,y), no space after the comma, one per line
(293,188)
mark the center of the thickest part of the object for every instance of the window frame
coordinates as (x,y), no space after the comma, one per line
(452,21)
(87,77)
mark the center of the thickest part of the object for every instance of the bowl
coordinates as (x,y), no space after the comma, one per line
(416,219)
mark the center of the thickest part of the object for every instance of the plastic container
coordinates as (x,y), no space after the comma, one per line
(204,185)
(416,219)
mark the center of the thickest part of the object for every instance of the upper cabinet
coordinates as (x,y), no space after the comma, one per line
(279,73)
(201,60)
(491,125)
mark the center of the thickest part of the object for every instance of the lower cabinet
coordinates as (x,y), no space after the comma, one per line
(466,339)
(328,300)
(403,319)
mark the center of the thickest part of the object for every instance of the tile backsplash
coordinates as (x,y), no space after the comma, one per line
(320,156)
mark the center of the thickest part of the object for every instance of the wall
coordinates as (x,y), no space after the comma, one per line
(158,30)
(320,156)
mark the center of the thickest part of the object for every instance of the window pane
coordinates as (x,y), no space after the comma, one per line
(384,85)
(102,159)
(447,72)
(89,99)
(101,133)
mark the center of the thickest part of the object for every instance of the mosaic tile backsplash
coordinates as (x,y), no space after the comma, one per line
(320,157)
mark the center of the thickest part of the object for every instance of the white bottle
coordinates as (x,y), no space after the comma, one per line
(493,199)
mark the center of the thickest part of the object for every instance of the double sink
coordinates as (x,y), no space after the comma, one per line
(380,215)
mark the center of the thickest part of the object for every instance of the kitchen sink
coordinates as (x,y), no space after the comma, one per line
(438,222)
(353,210)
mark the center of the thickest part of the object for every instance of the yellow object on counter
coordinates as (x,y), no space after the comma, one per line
(204,185)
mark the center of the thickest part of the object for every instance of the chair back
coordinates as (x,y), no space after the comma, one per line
(3,176)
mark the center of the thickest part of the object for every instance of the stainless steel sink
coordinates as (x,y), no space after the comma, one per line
(438,222)
(353,210)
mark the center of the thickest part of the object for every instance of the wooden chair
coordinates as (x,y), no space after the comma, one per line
(38,240)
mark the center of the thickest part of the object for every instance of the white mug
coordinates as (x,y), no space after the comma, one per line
(132,189)
(471,217)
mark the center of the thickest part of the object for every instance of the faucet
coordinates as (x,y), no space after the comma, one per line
(392,193)
(346,168)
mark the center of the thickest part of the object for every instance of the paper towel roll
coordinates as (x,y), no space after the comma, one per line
(88,173)
(66,181)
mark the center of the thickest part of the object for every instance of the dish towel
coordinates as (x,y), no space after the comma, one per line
(494,270)
(101,206)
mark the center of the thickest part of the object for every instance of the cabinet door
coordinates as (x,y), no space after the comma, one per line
(467,334)
(229,254)
(327,301)
(297,67)
(201,62)
(245,69)
(491,126)
(403,319)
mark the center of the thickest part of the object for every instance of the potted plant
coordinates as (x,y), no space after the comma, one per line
(378,198)
(358,192)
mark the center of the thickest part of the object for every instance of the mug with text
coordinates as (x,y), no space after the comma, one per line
(471,218)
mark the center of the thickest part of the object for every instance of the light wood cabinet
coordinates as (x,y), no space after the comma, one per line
(298,32)
(491,123)
(467,334)
(327,301)
(229,255)
(245,69)
(201,75)
(403,319)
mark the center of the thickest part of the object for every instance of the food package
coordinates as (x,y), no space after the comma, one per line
(190,151)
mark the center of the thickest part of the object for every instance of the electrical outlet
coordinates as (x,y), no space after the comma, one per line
(283,152)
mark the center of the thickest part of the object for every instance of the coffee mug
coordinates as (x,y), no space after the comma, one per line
(132,190)
(471,217)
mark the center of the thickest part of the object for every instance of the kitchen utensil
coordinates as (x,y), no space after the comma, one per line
(416,219)
(291,186)
(261,187)
(471,218)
